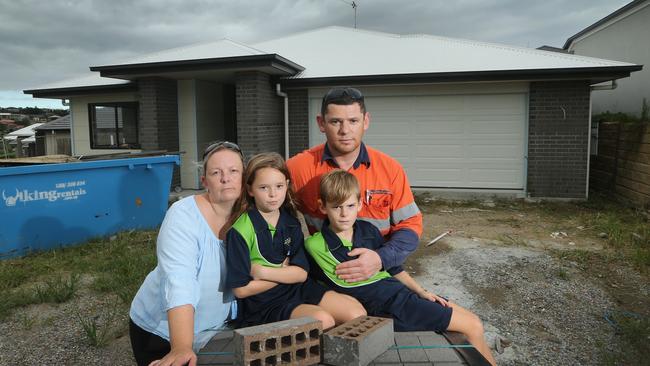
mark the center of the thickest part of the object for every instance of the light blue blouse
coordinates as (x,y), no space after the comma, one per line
(191,270)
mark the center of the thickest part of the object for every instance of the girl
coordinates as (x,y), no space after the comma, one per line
(265,257)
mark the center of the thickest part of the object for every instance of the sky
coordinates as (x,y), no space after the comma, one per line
(48,41)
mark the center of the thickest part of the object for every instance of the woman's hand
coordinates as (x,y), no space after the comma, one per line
(433,297)
(177,357)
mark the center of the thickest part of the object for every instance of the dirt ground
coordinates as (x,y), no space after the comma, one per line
(520,267)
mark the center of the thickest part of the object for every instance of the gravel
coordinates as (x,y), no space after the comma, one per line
(551,312)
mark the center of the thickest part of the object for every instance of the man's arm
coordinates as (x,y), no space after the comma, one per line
(401,244)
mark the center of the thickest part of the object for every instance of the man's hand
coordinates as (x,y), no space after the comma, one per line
(361,268)
(433,297)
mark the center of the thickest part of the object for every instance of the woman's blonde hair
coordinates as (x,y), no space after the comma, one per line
(337,186)
(257,162)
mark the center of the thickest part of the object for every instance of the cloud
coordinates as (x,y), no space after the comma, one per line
(47,41)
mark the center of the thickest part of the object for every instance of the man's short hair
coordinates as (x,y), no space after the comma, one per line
(344,95)
(337,186)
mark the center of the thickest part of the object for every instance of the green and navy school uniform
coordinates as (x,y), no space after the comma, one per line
(381,294)
(252,240)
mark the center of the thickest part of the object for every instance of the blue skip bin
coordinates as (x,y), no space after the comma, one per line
(53,205)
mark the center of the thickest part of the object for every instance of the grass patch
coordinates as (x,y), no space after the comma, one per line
(116,267)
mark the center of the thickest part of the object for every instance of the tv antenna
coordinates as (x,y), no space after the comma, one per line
(353,4)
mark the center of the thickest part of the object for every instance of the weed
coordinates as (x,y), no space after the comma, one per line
(98,329)
(563,274)
(511,240)
(577,255)
(57,289)
(509,221)
(26,321)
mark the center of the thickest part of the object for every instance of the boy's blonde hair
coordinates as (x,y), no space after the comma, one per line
(337,186)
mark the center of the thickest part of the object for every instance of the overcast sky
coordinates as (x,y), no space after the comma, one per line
(47,41)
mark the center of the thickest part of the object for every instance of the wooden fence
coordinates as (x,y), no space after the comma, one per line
(622,167)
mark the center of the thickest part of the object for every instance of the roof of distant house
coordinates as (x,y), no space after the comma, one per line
(22,132)
(61,123)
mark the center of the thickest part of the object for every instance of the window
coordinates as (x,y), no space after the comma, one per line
(113,125)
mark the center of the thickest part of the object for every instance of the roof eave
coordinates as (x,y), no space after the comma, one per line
(595,74)
(80,90)
(284,66)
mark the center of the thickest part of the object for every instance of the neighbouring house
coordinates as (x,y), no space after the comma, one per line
(8,124)
(53,138)
(622,35)
(23,140)
(460,115)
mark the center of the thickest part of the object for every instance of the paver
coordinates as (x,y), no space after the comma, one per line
(438,354)
(357,342)
(294,341)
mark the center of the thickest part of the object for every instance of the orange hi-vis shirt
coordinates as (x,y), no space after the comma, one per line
(387,200)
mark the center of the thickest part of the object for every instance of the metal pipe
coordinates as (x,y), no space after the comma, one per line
(439,237)
(286,119)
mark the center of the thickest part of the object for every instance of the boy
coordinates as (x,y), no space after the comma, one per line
(392,292)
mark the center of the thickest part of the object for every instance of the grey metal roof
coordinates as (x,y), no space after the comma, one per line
(339,51)
(220,49)
(61,123)
(611,16)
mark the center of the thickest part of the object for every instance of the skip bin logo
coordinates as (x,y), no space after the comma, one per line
(63,191)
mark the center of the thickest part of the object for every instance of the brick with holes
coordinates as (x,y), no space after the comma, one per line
(358,341)
(293,341)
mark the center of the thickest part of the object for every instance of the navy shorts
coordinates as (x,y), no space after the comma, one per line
(308,292)
(413,313)
(313,291)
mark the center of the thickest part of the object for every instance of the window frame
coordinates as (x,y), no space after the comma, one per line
(92,124)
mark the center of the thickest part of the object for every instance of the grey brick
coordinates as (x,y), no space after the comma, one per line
(294,341)
(357,342)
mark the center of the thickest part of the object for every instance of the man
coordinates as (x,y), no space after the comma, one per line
(387,200)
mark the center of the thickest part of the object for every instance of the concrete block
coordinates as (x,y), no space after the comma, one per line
(357,342)
(294,342)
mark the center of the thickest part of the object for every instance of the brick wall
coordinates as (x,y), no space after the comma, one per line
(298,121)
(557,139)
(158,123)
(260,120)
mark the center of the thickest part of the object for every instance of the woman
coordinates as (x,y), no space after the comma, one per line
(182,302)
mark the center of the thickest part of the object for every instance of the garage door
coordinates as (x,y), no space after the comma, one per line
(450,141)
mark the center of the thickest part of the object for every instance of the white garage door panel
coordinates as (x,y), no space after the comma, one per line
(457,141)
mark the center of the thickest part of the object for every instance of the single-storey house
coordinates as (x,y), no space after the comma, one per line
(622,35)
(23,140)
(460,115)
(53,138)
